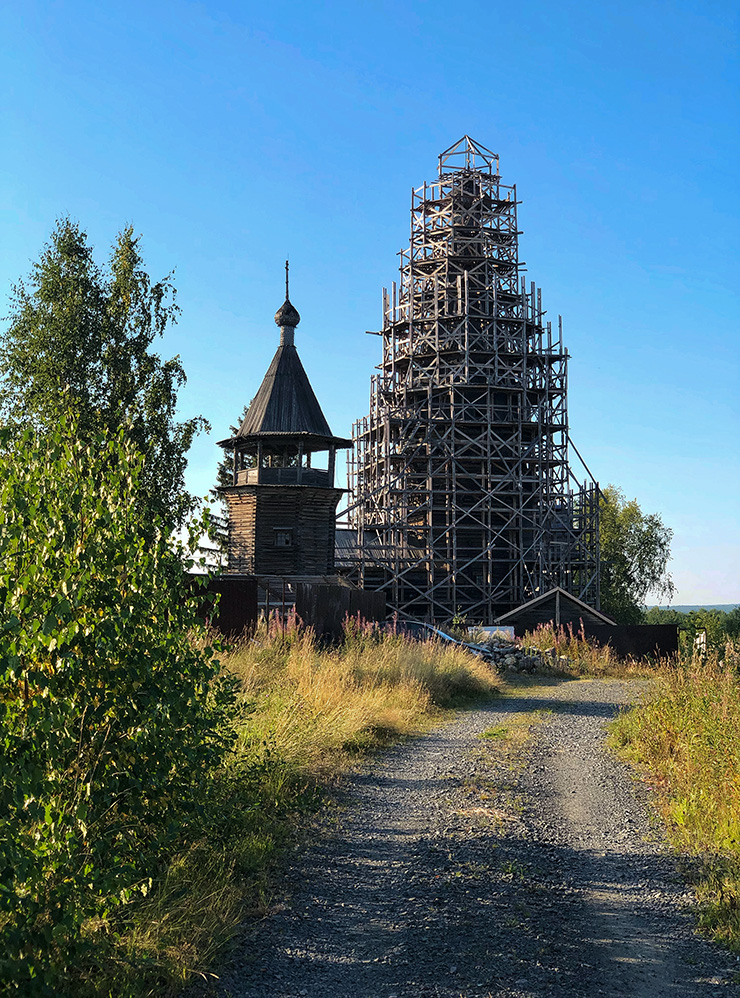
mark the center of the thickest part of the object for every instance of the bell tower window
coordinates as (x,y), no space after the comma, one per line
(283,538)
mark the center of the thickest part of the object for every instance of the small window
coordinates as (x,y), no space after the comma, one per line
(283,538)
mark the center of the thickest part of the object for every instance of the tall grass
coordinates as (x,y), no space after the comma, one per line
(687,736)
(571,653)
(309,712)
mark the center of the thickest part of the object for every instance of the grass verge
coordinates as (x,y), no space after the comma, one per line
(572,654)
(503,750)
(309,713)
(686,736)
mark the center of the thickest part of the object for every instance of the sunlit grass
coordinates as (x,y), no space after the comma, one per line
(310,712)
(568,652)
(686,735)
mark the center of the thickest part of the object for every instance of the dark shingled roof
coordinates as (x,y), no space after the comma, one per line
(285,402)
(285,405)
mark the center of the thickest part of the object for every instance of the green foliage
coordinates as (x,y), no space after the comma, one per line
(219,531)
(635,550)
(731,623)
(659,615)
(111,720)
(225,471)
(718,625)
(78,341)
(458,626)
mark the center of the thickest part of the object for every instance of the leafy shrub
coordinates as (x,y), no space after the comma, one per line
(111,719)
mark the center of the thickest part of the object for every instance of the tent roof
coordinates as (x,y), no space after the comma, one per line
(284,406)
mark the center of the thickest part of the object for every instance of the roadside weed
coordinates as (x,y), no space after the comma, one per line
(686,736)
(500,731)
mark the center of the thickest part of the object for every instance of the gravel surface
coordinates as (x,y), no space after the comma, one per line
(448,872)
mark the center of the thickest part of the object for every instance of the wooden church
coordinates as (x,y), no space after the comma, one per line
(282,502)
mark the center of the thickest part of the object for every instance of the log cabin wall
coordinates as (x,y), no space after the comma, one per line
(281,530)
(242,505)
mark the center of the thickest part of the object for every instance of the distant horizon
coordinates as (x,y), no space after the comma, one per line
(688,607)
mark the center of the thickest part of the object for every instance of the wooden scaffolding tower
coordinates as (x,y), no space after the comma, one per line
(462,499)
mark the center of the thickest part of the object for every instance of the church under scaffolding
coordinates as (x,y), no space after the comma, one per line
(462,498)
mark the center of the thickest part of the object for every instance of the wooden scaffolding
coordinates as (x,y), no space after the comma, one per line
(462,498)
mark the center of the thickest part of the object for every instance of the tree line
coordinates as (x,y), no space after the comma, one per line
(719,626)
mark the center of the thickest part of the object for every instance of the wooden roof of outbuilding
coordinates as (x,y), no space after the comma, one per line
(522,611)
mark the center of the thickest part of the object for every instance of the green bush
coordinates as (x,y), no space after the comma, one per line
(718,626)
(112,720)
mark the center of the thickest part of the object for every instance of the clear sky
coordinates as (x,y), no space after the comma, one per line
(232,134)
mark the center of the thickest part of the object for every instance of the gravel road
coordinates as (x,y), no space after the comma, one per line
(452,873)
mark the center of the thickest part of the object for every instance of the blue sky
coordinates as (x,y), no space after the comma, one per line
(233,134)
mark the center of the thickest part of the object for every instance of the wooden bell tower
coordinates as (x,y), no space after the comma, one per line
(282,503)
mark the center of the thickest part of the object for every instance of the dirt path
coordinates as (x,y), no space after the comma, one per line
(448,873)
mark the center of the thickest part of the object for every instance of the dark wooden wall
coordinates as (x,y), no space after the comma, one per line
(627,640)
(236,609)
(637,640)
(325,607)
(256,512)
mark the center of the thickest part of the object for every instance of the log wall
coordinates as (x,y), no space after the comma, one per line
(258,512)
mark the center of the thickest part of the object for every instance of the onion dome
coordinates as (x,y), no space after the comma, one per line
(287,315)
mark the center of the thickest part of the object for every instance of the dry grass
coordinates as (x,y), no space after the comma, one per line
(573,655)
(317,705)
(687,737)
(309,713)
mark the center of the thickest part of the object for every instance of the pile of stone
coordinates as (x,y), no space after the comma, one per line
(509,657)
